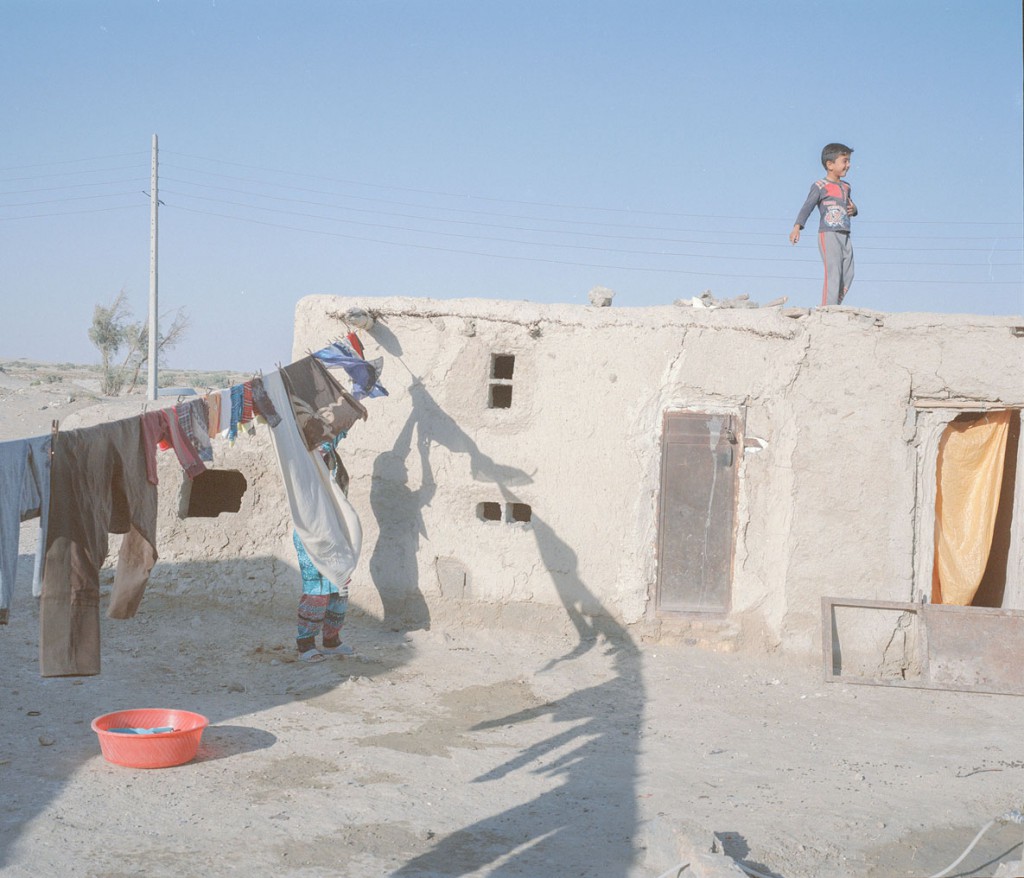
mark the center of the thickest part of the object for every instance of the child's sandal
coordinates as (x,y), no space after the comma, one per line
(340,649)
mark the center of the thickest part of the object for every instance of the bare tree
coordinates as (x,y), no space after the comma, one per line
(113,330)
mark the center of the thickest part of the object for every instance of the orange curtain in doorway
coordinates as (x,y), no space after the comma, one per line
(970,472)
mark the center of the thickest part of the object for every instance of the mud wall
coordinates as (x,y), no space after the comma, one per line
(827,475)
(828,460)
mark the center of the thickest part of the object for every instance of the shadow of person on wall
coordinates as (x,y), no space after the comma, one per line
(585,823)
(398,511)
(398,508)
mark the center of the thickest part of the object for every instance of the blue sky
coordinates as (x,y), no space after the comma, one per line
(509,149)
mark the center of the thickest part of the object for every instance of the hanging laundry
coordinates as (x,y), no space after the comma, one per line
(332,460)
(213,413)
(322,515)
(248,411)
(262,404)
(24,495)
(365,374)
(193,420)
(224,427)
(357,345)
(99,480)
(322,408)
(237,401)
(161,429)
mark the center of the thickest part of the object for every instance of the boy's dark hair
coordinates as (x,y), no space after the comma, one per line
(832,151)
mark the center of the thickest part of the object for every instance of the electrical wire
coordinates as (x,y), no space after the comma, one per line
(967,850)
(1013,816)
(74,212)
(462,196)
(334,205)
(98,158)
(553,204)
(472,219)
(70,173)
(62,200)
(78,186)
(545,219)
(489,238)
(678,271)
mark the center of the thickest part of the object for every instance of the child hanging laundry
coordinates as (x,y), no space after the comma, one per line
(323,604)
(322,608)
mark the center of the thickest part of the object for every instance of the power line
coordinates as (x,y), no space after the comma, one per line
(556,244)
(544,203)
(775,235)
(99,158)
(70,198)
(70,212)
(69,174)
(558,261)
(427,213)
(137,182)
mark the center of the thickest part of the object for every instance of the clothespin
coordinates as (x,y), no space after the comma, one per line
(54,426)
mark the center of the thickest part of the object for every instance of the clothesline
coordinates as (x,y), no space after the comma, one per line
(87,483)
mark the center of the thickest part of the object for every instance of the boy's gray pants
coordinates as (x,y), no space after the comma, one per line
(837,254)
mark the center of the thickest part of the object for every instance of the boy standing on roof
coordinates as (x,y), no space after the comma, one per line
(832,198)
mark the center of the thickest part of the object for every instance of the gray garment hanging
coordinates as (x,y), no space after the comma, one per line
(24,495)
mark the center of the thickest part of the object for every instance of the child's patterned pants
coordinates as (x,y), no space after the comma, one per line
(321,611)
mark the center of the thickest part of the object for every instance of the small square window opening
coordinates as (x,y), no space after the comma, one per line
(519,512)
(502,366)
(500,396)
(488,511)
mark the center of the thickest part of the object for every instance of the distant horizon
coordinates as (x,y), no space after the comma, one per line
(1007,319)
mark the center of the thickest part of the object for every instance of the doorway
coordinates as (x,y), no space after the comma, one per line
(697,509)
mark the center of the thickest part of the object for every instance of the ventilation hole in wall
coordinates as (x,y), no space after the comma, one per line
(211,493)
(499,396)
(502,366)
(519,512)
(488,511)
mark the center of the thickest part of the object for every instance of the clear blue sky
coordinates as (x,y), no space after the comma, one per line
(512,149)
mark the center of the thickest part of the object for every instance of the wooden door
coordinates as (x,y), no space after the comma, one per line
(699,461)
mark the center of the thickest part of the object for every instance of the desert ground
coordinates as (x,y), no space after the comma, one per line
(530,748)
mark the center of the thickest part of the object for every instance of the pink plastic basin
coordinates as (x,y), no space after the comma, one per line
(157,750)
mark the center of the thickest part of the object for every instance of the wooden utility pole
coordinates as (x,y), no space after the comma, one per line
(154,328)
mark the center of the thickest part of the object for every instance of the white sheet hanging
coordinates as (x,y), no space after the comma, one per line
(326,522)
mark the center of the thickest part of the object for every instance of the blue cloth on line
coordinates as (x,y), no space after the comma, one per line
(237,398)
(364,373)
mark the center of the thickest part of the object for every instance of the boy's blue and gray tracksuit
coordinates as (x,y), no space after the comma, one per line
(832,200)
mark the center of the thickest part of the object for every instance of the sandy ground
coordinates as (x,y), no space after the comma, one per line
(527,751)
